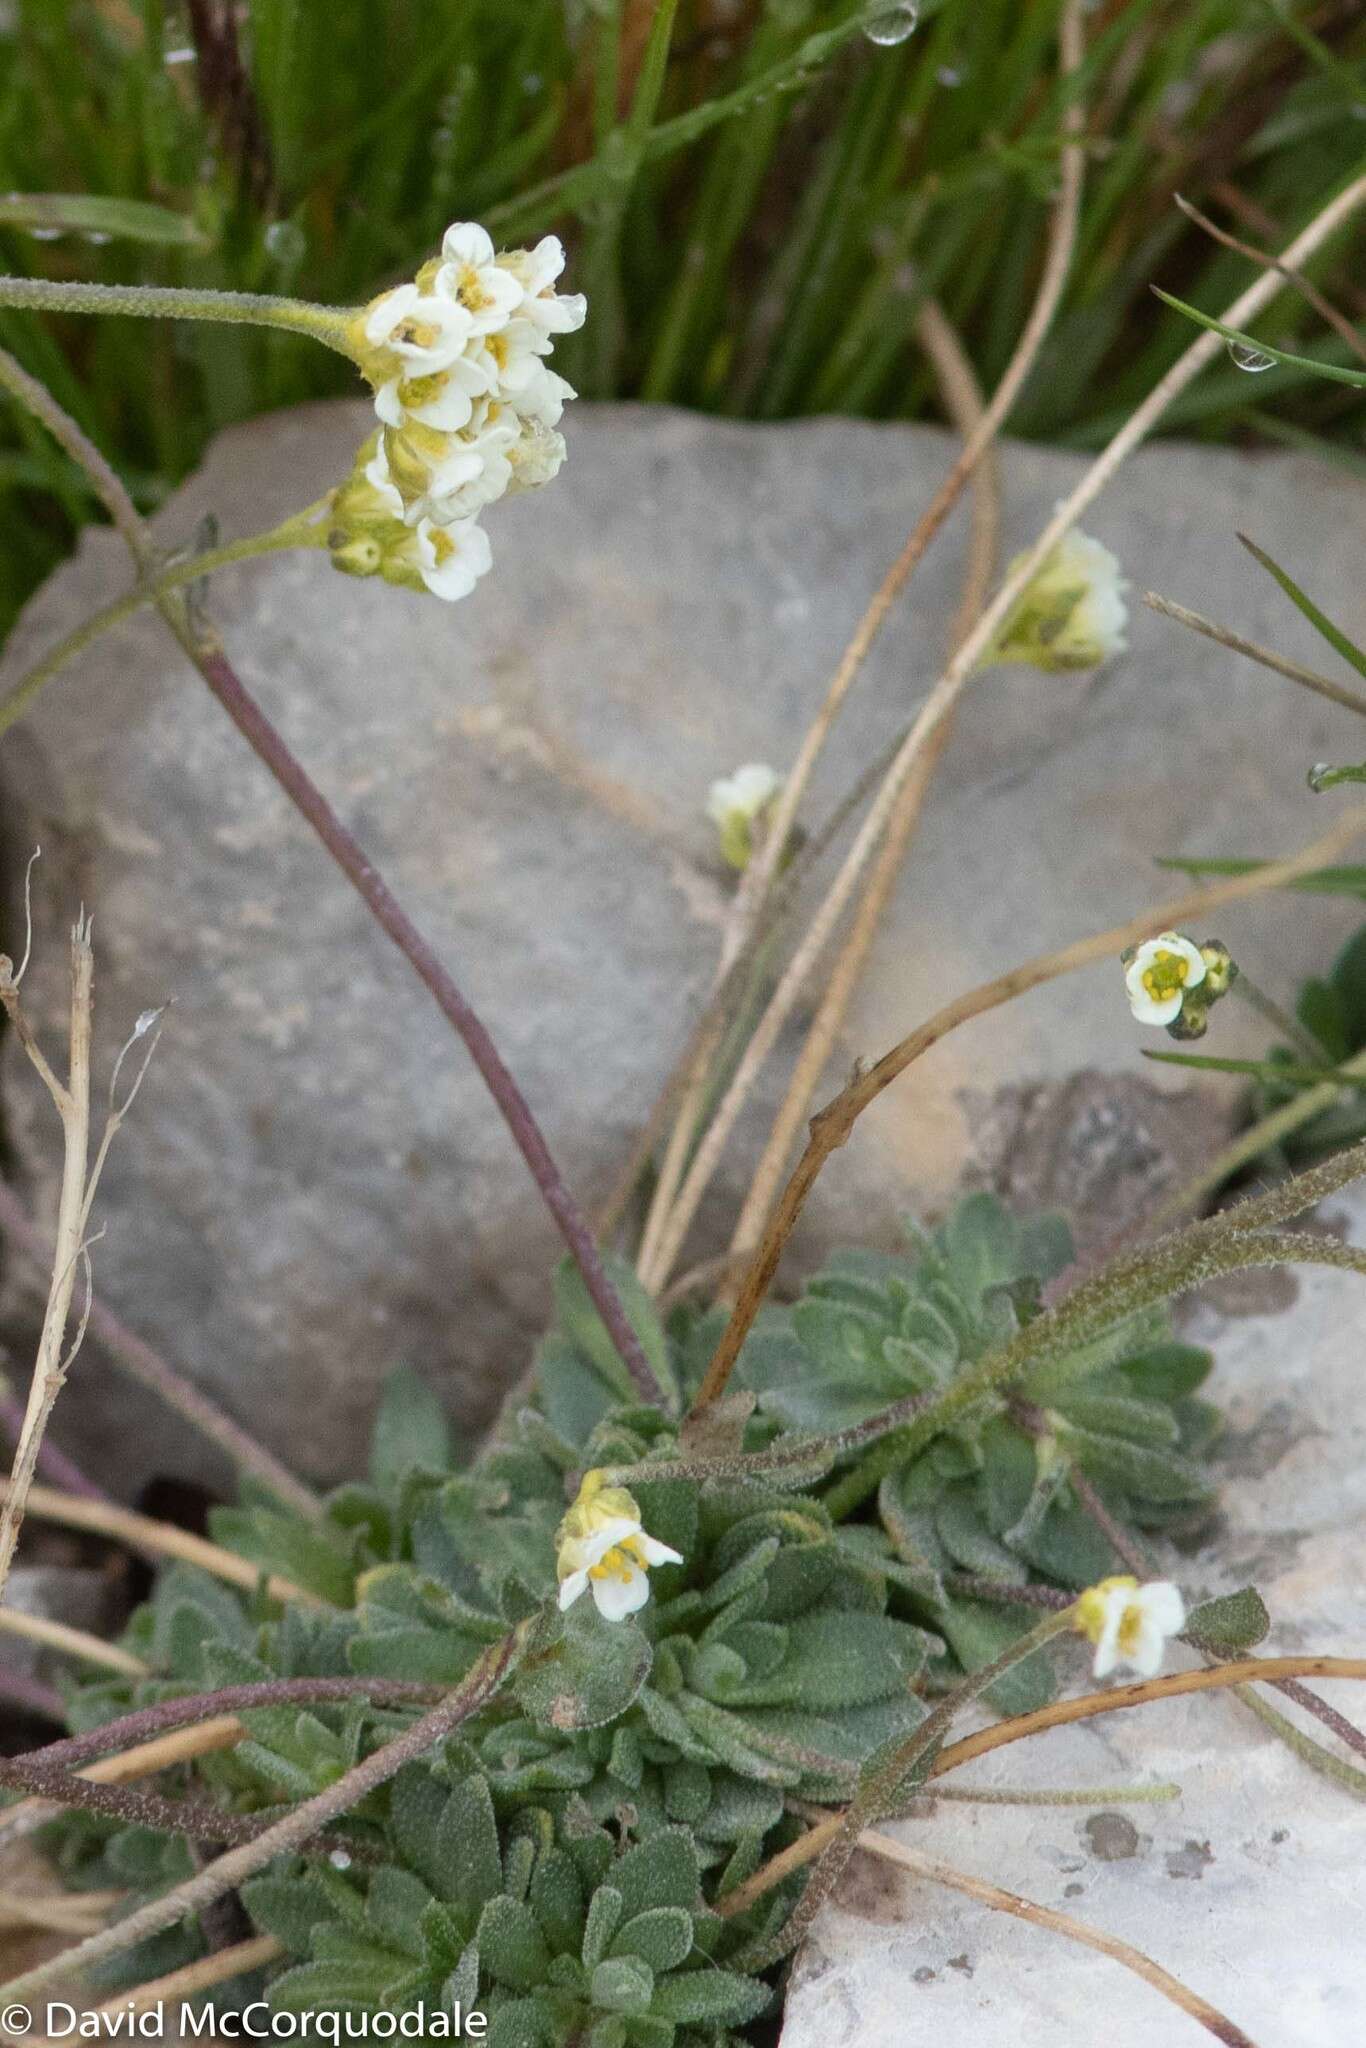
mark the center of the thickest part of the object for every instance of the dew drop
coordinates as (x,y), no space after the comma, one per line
(47,234)
(184,53)
(340,1859)
(1244,357)
(285,242)
(949,76)
(894,24)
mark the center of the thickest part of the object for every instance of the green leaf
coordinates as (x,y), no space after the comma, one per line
(580,1670)
(836,1660)
(661,1937)
(411,1432)
(1273,1072)
(1165,1372)
(1353,655)
(977,1633)
(605,1909)
(512,1947)
(1338,375)
(290,1908)
(660,1872)
(716,1998)
(123,220)
(581,1321)
(623,1984)
(1334,881)
(1230,1625)
(314,1557)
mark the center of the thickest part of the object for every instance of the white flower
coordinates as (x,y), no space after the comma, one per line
(535,456)
(536,271)
(601,1545)
(444,399)
(427,331)
(736,802)
(1071,614)
(1130,1624)
(451,559)
(471,277)
(1158,974)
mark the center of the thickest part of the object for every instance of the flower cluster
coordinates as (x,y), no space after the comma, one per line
(468,409)
(601,1544)
(737,804)
(1072,612)
(1130,1624)
(1172,982)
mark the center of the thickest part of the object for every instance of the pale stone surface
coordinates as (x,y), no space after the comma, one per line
(314,1185)
(1252,1887)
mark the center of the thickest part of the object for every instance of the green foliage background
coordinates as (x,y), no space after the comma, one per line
(754,235)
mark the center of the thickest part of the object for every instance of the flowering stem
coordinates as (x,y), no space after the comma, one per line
(326,324)
(1247,1669)
(882,1792)
(301,530)
(1280,1020)
(832,1126)
(208,657)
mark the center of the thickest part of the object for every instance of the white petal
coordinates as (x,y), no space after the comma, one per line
(466,242)
(388,404)
(571,1588)
(657,1553)
(1106,1658)
(1163,1606)
(386,313)
(1146,1656)
(1147,1011)
(617,1597)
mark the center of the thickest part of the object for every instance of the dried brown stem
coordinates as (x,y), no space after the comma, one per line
(1307,289)
(157,1540)
(72,1101)
(1279,664)
(1241,1672)
(1110,1945)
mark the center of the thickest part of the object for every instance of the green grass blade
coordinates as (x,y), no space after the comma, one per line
(121,220)
(1270,1071)
(1335,372)
(1322,625)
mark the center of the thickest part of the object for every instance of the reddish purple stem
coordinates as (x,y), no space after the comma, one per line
(271,748)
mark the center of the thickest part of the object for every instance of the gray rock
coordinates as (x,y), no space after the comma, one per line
(73,1594)
(314,1185)
(1251,1886)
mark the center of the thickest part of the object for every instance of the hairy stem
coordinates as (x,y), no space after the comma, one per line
(326,324)
(289,1835)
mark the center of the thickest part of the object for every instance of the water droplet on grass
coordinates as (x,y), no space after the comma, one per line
(894,24)
(1244,357)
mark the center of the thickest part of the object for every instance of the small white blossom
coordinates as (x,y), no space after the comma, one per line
(1130,1624)
(471,276)
(601,1546)
(1158,975)
(452,558)
(537,270)
(427,331)
(735,803)
(1071,614)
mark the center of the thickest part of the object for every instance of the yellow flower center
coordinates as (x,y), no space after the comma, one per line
(443,547)
(422,390)
(621,1562)
(417,333)
(1093,1609)
(470,292)
(1165,975)
(498,349)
